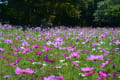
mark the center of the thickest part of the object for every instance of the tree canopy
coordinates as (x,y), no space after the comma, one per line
(61,12)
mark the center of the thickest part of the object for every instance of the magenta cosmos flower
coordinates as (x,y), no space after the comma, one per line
(90,73)
(47,48)
(65,54)
(85,69)
(93,57)
(21,71)
(60,77)
(38,53)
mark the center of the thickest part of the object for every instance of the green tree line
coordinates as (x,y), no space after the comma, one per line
(61,12)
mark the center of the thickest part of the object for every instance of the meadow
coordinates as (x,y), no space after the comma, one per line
(59,53)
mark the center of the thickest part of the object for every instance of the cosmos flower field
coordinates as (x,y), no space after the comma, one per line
(59,53)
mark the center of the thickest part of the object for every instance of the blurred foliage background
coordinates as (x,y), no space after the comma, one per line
(61,12)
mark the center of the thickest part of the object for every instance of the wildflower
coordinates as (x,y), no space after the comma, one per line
(75,63)
(85,69)
(1,50)
(105,52)
(60,77)
(86,51)
(36,63)
(93,57)
(103,74)
(115,74)
(18,49)
(38,53)
(102,36)
(90,73)
(35,46)
(48,60)
(31,59)
(74,54)
(25,44)
(16,62)
(21,71)
(116,42)
(52,77)
(6,76)
(8,41)
(106,62)
(49,43)
(72,48)
(26,50)
(65,54)
(44,64)
(61,60)
(47,48)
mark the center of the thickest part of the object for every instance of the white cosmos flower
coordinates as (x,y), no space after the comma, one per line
(44,64)
(82,74)
(22,47)
(93,49)
(110,43)
(77,61)
(102,42)
(36,63)
(118,77)
(61,60)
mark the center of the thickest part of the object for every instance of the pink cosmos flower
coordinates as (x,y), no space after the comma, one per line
(116,42)
(86,51)
(31,59)
(72,48)
(102,36)
(105,52)
(8,41)
(74,54)
(75,63)
(114,38)
(25,44)
(21,71)
(93,57)
(18,49)
(106,62)
(16,62)
(26,50)
(35,46)
(38,53)
(103,74)
(1,50)
(100,78)
(52,77)
(85,69)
